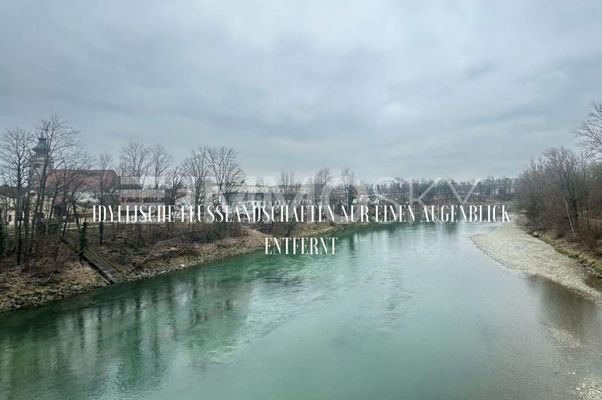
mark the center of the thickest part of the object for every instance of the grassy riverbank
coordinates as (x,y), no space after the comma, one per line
(24,287)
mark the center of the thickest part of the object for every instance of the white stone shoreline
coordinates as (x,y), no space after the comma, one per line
(515,249)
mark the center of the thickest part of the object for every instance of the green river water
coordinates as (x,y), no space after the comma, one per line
(401,312)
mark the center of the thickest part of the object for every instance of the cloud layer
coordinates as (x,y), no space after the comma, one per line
(386,88)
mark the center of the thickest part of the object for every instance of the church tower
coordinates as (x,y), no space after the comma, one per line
(40,153)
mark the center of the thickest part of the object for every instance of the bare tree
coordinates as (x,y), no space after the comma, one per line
(556,191)
(64,186)
(563,164)
(590,132)
(321,180)
(531,190)
(72,180)
(58,141)
(15,161)
(134,161)
(348,181)
(228,175)
(107,186)
(288,186)
(174,183)
(196,168)
(159,162)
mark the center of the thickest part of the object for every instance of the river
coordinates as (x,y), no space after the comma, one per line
(400,312)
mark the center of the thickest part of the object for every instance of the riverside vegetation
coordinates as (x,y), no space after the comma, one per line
(49,183)
(50,187)
(561,194)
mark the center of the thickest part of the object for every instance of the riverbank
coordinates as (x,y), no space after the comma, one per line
(20,287)
(517,250)
(169,256)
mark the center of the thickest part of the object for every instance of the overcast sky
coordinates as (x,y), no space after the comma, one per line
(387,88)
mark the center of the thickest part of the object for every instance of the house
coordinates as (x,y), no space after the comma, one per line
(8,196)
(81,187)
(265,196)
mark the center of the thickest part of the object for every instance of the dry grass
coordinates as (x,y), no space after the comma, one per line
(43,283)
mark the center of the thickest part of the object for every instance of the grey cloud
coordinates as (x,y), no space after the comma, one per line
(398,88)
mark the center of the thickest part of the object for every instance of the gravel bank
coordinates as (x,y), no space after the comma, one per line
(510,246)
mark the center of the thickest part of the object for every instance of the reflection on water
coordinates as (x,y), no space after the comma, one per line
(395,308)
(129,340)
